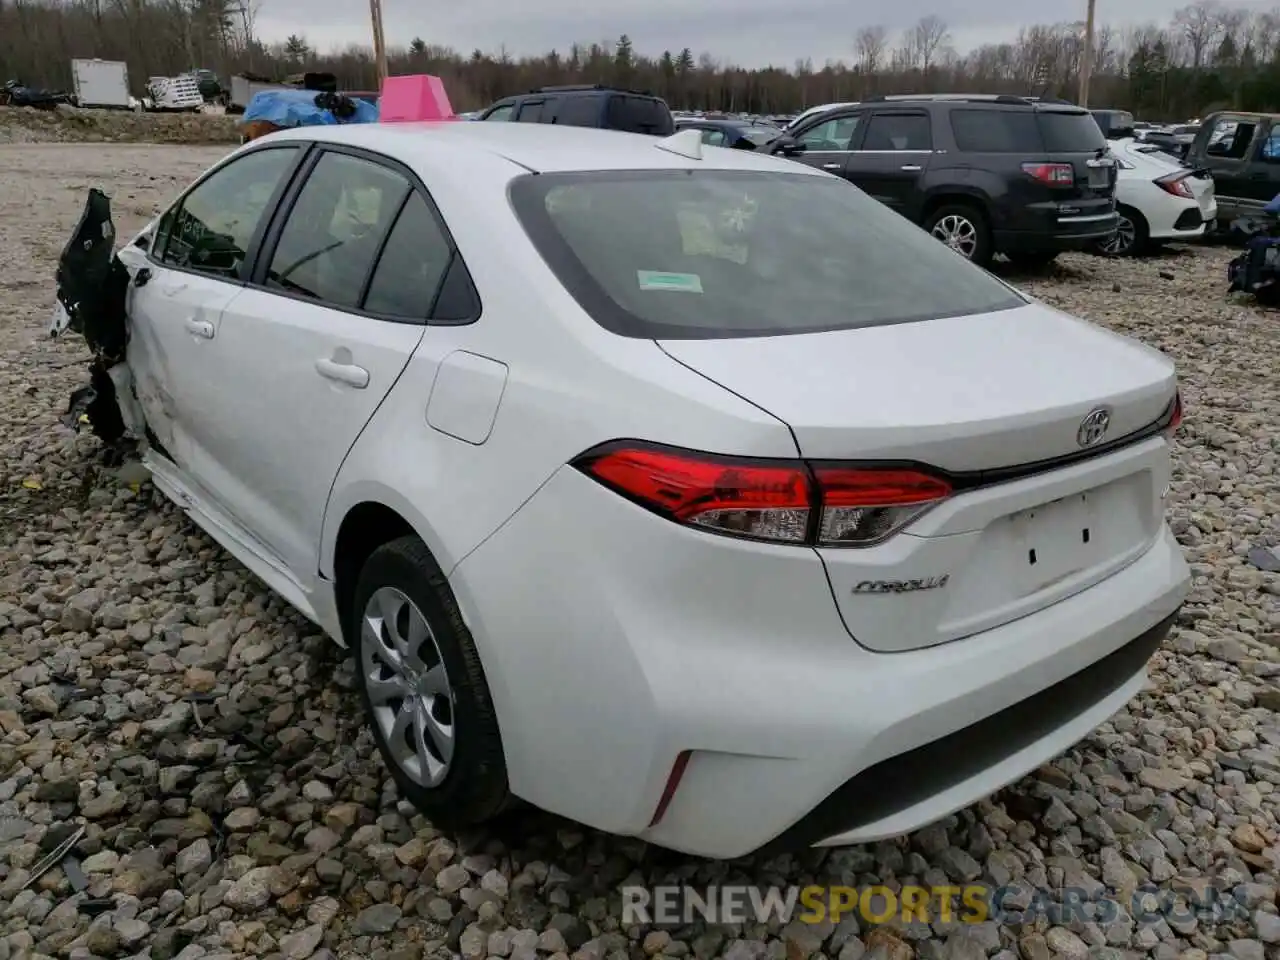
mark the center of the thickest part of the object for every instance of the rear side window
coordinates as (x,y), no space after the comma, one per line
(639,115)
(335,229)
(1070,132)
(530,112)
(412,265)
(996,131)
(898,132)
(717,253)
(579,112)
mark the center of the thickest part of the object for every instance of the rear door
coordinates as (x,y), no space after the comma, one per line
(890,158)
(309,349)
(828,139)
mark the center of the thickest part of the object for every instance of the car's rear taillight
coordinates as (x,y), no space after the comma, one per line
(1175,417)
(1054,174)
(779,501)
(1176,184)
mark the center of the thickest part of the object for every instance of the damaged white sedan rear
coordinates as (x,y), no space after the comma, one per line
(692,495)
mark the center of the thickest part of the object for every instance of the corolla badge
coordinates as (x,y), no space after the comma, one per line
(901,586)
(1093,427)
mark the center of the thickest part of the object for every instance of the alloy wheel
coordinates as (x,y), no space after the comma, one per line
(408,686)
(1121,242)
(957,232)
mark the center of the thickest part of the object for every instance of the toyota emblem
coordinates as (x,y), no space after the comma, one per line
(1093,427)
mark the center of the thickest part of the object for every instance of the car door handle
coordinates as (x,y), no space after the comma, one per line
(347,373)
(831,166)
(912,167)
(201,328)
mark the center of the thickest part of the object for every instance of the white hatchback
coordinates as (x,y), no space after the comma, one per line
(694,496)
(1158,199)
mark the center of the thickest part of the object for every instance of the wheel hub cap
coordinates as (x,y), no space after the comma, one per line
(958,233)
(408,686)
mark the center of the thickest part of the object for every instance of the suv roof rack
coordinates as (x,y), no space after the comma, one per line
(967,97)
(580,87)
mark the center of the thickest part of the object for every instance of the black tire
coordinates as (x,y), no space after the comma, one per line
(1137,230)
(982,251)
(1026,260)
(475,788)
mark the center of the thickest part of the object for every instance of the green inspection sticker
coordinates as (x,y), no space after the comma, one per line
(681,282)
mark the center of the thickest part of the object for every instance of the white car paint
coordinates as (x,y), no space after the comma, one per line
(1141,165)
(727,685)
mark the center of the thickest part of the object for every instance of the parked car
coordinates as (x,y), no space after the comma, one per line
(556,431)
(984,174)
(587,106)
(1242,153)
(1175,140)
(1158,199)
(737,134)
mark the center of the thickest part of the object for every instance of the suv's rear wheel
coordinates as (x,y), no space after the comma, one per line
(964,229)
(424,688)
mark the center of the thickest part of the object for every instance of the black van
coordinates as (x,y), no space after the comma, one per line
(587,106)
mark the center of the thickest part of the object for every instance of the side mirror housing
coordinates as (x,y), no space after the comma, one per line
(787,147)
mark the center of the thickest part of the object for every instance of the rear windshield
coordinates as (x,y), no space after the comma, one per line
(707,254)
(640,115)
(1070,132)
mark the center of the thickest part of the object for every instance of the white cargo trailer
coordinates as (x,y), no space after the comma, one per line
(243,89)
(101,83)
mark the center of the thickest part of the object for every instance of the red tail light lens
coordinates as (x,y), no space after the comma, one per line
(1176,184)
(1175,418)
(775,501)
(1054,174)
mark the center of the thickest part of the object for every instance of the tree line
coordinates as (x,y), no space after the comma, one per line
(1210,55)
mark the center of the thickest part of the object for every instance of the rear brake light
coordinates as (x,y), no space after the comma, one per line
(1054,174)
(1176,184)
(1175,417)
(772,500)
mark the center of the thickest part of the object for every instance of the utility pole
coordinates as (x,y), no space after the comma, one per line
(1086,63)
(380,44)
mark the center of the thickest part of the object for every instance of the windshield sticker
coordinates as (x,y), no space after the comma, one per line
(680,282)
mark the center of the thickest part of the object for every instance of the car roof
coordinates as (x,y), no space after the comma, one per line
(537,147)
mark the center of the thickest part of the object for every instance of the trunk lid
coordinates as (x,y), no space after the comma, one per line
(976,393)
(967,393)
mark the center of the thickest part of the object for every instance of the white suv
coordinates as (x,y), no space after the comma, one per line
(694,496)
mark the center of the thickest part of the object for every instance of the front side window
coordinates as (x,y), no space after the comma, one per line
(501,113)
(211,229)
(335,229)
(713,138)
(715,254)
(830,135)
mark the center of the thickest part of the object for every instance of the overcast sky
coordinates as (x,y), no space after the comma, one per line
(746,32)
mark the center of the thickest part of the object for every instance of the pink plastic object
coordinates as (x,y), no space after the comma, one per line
(413,98)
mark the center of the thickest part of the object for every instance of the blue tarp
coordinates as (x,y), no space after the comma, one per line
(1273,206)
(297,108)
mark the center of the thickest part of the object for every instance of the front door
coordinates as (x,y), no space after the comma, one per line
(1229,147)
(827,141)
(194,264)
(890,157)
(309,350)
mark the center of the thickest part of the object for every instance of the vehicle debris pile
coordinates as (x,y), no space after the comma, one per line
(92,287)
(1256,271)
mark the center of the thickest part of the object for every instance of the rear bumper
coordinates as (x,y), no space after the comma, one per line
(1230,208)
(1072,232)
(614,641)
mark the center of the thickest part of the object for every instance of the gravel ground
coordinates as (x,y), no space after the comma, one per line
(70,124)
(206,735)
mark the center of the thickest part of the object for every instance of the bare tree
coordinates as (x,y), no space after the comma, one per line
(870,45)
(1201,25)
(925,38)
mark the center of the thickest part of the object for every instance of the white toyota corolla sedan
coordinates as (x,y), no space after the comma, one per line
(688,493)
